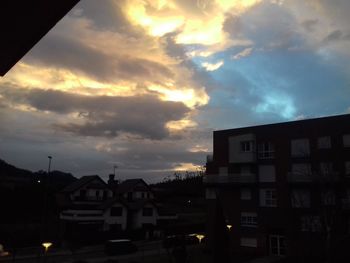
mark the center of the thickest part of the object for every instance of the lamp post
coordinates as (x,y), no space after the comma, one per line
(44,243)
(229,226)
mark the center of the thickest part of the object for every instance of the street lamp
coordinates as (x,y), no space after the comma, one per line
(46,245)
(229,227)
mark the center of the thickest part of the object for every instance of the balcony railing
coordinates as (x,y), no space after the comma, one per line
(81,215)
(312,177)
(229,178)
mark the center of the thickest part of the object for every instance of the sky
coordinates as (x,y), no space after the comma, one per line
(143,84)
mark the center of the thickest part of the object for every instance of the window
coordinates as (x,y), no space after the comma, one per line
(300,147)
(247,146)
(346,140)
(301,169)
(300,198)
(223,170)
(105,195)
(347,168)
(324,142)
(268,197)
(326,168)
(148,195)
(116,211)
(248,242)
(248,219)
(266,150)
(82,194)
(147,211)
(267,173)
(246,194)
(277,245)
(310,223)
(143,195)
(210,193)
(97,193)
(245,169)
(328,198)
(129,196)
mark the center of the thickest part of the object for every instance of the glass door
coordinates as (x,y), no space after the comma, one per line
(277,245)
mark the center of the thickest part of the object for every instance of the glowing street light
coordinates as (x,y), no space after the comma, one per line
(229,227)
(198,236)
(46,245)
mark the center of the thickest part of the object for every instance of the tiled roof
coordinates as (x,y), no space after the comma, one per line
(130,185)
(81,182)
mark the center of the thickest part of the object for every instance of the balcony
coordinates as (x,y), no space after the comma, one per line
(229,178)
(312,177)
(82,215)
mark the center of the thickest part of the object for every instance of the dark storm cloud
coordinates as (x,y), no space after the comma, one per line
(336,35)
(106,16)
(107,116)
(309,24)
(74,55)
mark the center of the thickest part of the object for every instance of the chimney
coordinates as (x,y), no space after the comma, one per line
(111,179)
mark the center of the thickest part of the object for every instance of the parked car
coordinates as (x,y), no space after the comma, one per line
(119,247)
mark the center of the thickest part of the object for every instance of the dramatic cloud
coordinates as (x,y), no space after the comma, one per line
(145,116)
(245,52)
(212,67)
(142,84)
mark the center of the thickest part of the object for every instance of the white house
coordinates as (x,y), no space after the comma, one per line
(90,203)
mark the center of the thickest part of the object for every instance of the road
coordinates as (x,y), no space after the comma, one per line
(95,254)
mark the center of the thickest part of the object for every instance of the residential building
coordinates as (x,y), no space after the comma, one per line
(89,204)
(283,189)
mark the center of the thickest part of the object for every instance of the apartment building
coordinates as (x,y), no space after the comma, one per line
(281,189)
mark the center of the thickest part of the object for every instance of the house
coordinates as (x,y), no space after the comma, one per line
(89,204)
(144,210)
(133,190)
(280,189)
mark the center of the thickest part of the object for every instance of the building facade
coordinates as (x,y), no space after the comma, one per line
(282,189)
(89,205)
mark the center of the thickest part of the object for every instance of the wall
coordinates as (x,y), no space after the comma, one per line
(235,153)
(139,219)
(115,219)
